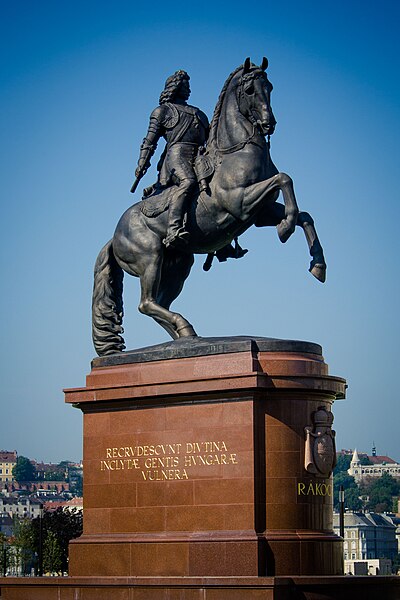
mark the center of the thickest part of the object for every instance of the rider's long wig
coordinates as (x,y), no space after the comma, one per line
(172,85)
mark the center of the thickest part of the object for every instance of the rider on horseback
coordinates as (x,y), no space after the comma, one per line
(185,129)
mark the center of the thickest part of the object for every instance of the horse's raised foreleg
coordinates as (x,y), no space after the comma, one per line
(176,325)
(273,215)
(318,264)
(267,192)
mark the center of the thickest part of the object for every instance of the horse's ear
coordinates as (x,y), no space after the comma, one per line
(246,65)
(264,63)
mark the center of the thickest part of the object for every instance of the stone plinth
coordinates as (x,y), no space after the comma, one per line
(200,588)
(194,462)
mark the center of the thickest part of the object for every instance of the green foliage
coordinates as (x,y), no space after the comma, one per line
(64,524)
(75,481)
(352,491)
(396,564)
(352,499)
(364,460)
(58,475)
(381,492)
(343,479)
(24,470)
(4,554)
(52,554)
(58,528)
(78,486)
(22,554)
(342,464)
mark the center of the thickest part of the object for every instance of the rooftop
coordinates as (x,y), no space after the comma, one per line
(8,456)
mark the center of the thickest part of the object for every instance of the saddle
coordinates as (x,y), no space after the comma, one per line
(153,204)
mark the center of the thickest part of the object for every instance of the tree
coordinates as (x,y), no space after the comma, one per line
(4,554)
(52,554)
(78,485)
(381,492)
(342,464)
(24,470)
(352,499)
(396,564)
(352,491)
(56,475)
(23,550)
(64,524)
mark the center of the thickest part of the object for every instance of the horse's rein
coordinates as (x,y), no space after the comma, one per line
(252,120)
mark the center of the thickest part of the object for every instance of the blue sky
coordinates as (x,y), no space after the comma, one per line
(78,81)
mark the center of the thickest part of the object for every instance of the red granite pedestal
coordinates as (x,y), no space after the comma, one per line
(194,479)
(192,467)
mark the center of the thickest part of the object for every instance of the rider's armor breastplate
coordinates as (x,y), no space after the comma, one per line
(186,124)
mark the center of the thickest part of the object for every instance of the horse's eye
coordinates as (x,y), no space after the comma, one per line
(249,88)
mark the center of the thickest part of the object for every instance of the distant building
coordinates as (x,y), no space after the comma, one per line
(8,460)
(379,466)
(38,487)
(48,470)
(367,536)
(23,508)
(6,525)
(74,503)
(396,522)
(372,566)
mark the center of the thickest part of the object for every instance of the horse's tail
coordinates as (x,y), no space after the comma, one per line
(107,305)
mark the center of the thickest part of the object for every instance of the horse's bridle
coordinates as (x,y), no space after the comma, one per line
(241,98)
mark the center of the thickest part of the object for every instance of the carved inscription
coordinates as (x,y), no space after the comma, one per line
(314,488)
(163,462)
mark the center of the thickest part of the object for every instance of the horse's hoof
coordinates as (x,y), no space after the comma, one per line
(319,271)
(285,231)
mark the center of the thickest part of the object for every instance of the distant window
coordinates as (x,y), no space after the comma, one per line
(353,555)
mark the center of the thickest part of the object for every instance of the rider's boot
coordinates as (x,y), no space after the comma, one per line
(177,236)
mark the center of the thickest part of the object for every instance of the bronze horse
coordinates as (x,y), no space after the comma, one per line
(242,192)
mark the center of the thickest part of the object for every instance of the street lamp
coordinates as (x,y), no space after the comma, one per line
(341,515)
(40,569)
(4,559)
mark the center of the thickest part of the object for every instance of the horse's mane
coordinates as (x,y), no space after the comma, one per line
(218,107)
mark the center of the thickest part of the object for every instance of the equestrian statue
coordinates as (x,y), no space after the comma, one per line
(214,182)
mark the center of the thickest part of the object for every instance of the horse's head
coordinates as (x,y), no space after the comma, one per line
(253,95)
